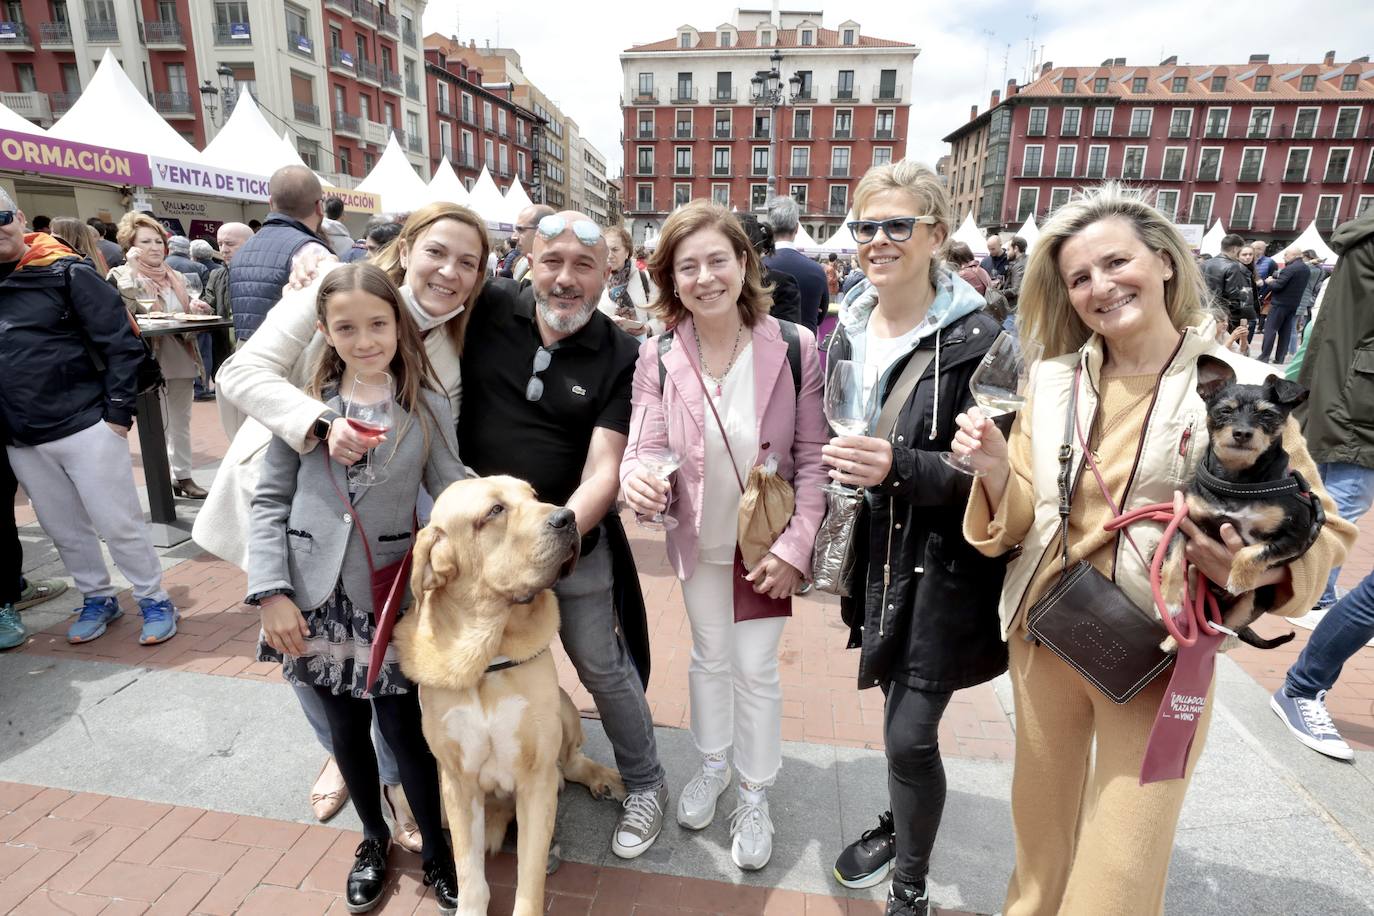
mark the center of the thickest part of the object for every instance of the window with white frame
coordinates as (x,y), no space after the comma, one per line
(720,160)
(1347,123)
(839,161)
(489,158)
(682,125)
(682,194)
(839,199)
(1337,163)
(1065,157)
(682,160)
(1286,213)
(885,124)
(1305,123)
(1181,123)
(1209,164)
(1059,197)
(1251,164)
(1026,202)
(646,125)
(1031,158)
(1175,159)
(1296,167)
(1260,119)
(1365,203)
(1097,162)
(1068,122)
(844,123)
(644,195)
(801,161)
(882,155)
(801,124)
(720,193)
(1218,119)
(798,193)
(758,196)
(644,160)
(1102,121)
(1035,125)
(1369,169)
(1133,163)
(1242,211)
(1166,202)
(725,39)
(722,124)
(760,164)
(1201,211)
(1141,119)
(646,85)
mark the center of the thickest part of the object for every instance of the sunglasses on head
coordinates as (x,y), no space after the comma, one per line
(897,229)
(6,217)
(587,232)
(534,389)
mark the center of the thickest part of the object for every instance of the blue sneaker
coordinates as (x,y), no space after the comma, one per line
(1310,723)
(159,621)
(96,614)
(12,632)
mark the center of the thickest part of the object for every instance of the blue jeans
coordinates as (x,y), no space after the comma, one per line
(205,344)
(1278,328)
(1352,489)
(315,714)
(1345,628)
(603,663)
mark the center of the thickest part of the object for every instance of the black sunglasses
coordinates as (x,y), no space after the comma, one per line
(6,217)
(534,389)
(897,229)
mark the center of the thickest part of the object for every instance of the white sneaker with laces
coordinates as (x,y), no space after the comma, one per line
(696,807)
(751,832)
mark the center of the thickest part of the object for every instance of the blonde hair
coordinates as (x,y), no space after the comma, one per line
(388,257)
(131,222)
(1044,313)
(82,239)
(919,182)
(755,297)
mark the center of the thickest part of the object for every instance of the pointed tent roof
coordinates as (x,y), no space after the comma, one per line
(486,199)
(842,242)
(110,102)
(972,236)
(12,120)
(1312,239)
(1029,231)
(805,242)
(446,185)
(516,198)
(1211,242)
(394,178)
(247,143)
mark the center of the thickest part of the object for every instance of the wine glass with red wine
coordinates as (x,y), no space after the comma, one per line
(368,411)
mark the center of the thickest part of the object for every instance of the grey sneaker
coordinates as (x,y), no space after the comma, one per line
(751,834)
(696,807)
(1310,723)
(641,819)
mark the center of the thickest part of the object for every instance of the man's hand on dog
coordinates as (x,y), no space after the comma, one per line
(283,626)
(775,577)
(346,445)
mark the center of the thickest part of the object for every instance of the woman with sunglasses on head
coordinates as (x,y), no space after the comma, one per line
(437,262)
(722,394)
(923,607)
(1116,301)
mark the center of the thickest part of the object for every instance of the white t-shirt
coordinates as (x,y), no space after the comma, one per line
(720,489)
(882,352)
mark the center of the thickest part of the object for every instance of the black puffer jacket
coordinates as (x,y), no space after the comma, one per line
(927,613)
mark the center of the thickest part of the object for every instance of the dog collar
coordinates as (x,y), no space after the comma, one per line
(1266,489)
(502,663)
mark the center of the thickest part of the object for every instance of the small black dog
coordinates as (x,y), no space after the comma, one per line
(1243,478)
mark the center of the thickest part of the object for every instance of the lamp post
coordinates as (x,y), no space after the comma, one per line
(767,89)
(210,96)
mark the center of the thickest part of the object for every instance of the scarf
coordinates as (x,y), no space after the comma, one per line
(618,285)
(43,250)
(163,278)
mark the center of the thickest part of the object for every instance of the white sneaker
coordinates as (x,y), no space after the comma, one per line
(696,807)
(751,833)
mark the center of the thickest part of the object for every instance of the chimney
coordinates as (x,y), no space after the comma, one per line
(1259,58)
(1170,61)
(1108,62)
(1011,88)
(1046,67)
(996,97)
(1119,62)
(973,112)
(1330,58)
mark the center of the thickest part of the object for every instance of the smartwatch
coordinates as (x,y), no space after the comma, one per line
(320,428)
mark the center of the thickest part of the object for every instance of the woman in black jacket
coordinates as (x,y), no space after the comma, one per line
(924,607)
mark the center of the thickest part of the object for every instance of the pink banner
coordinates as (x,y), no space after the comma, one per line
(1180,712)
(49,156)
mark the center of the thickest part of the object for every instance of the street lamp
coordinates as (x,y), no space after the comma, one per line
(766,89)
(210,95)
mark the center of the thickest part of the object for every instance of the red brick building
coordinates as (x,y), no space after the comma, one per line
(475,126)
(366,92)
(692,128)
(1265,148)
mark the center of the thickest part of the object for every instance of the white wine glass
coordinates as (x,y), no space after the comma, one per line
(194,287)
(998,385)
(368,411)
(145,293)
(850,404)
(661,463)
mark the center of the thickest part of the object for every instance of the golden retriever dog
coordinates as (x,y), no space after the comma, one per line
(476,641)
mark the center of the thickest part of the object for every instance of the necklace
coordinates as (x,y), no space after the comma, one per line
(734,353)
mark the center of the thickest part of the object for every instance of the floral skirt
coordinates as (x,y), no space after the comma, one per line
(338,650)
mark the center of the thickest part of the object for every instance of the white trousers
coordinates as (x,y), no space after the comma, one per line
(176,417)
(82,488)
(733,678)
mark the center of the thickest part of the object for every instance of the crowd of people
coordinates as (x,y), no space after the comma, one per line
(570,358)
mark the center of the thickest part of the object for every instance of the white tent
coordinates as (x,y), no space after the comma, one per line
(486,199)
(111,108)
(1312,239)
(842,242)
(1029,231)
(246,142)
(394,178)
(1211,242)
(972,236)
(517,199)
(804,242)
(446,185)
(13,121)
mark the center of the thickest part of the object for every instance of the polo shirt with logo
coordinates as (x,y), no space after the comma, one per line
(587,385)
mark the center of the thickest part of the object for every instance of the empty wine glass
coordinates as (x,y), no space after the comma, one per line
(368,411)
(850,404)
(661,463)
(998,385)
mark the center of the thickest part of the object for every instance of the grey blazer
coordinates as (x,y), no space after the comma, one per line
(301,534)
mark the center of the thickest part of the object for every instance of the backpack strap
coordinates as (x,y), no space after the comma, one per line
(789,334)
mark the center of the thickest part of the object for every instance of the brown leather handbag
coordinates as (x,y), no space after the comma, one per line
(1086,619)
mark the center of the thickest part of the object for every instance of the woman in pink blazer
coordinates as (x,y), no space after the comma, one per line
(726,349)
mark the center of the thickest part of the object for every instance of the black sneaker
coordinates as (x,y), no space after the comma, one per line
(907,900)
(868,860)
(367,878)
(444,880)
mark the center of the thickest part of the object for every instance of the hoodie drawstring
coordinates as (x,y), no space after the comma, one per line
(935,420)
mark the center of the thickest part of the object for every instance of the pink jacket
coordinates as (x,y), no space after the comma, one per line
(791,427)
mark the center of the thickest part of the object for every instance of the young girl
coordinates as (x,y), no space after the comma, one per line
(308,567)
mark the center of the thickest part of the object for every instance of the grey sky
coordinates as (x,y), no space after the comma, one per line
(571,50)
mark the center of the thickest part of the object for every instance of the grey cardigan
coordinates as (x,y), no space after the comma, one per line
(301,534)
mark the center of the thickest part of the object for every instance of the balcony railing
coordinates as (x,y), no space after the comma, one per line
(883,133)
(888,93)
(842,133)
(723,133)
(644,134)
(173,103)
(839,171)
(1240,222)
(55,34)
(468,116)
(346,123)
(644,168)
(103,33)
(682,171)
(300,43)
(62,101)
(1063,171)
(1334,177)
(724,95)
(760,169)
(344,5)
(340,59)
(801,133)
(844,93)
(409,37)
(644,97)
(1282,222)
(391,81)
(682,133)
(306,112)
(367,12)
(412,90)
(760,134)
(1249,176)
(374,132)
(1031,171)
(800,171)
(15,35)
(32,105)
(369,71)
(1035,130)
(1215,132)
(684,95)
(413,143)
(1140,130)
(1294,176)
(156,32)
(718,171)
(391,24)
(233,33)
(1209,177)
